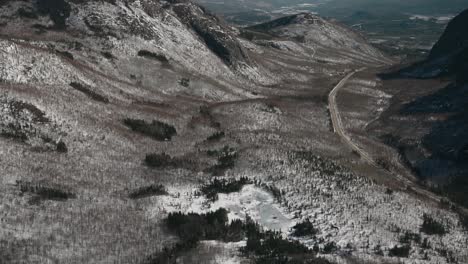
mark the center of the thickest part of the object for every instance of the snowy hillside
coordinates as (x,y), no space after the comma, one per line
(324,36)
(116,115)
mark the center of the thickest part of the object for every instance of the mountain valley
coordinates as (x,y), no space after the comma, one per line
(147,131)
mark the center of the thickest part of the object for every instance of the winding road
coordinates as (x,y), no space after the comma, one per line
(336,118)
(340,131)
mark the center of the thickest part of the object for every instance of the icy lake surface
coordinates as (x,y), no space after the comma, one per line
(251,201)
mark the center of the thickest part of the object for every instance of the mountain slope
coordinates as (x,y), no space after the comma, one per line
(454,45)
(326,36)
(454,39)
(449,54)
(114,114)
(447,139)
(135,25)
(433,115)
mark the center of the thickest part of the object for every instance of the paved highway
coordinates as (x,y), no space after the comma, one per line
(340,131)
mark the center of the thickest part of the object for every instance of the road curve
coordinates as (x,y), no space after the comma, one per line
(336,118)
(339,130)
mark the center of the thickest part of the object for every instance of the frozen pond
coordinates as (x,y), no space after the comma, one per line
(255,202)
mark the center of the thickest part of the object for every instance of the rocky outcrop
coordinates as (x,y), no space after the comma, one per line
(448,57)
(452,48)
(146,19)
(454,39)
(218,37)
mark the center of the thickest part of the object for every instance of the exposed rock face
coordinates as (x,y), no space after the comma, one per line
(217,36)
(453,45)
(454,39)
(145,19)
(449,56)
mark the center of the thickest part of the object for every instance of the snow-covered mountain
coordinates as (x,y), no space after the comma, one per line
(115,113)
(180,31)
(331,39)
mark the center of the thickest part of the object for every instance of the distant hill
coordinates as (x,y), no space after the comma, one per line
(318,33)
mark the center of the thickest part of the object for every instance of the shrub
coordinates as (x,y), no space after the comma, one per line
(152,55)
(213,153)
(463,220)
(14,132)
(304,229)
(226,160)
(355,153)
(107,55)
(42,192)
(329,248)
(216,186)
(17,107)
(205,110)
(425,243)
(66,54)
(431,226)
(196,227)
(378,250)
(156,130)
(148,191)
(270,247)
(159,160)
(184,82)
(88,92)
(23,120)
(383,163)
(400,251)
(206,113)
(216,136)
(409,236)
(61,147)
